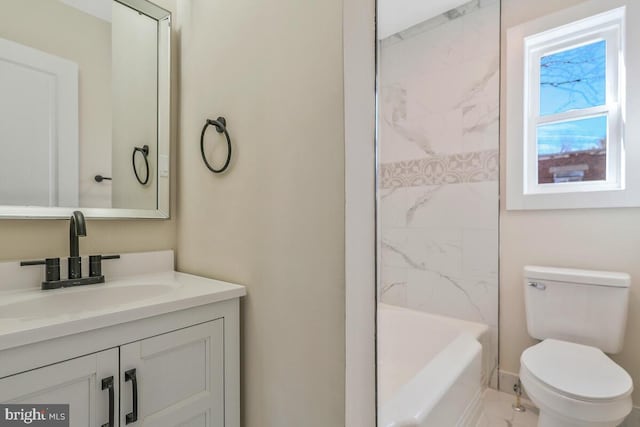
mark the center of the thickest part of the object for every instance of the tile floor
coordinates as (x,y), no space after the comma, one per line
(499,413)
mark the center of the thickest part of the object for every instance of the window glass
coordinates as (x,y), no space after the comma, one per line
(571,151)
(573,79)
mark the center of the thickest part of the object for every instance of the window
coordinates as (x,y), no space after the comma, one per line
(565,79)
(573,126)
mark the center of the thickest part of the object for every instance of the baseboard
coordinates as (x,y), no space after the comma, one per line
(472,414)
(633,420)
(509,379)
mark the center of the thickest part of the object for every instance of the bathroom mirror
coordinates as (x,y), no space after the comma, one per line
(84,108)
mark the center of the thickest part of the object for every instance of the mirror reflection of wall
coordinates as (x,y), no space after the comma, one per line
(81,85)
(135,96)
(30,160)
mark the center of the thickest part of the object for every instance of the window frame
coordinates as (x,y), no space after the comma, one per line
(617,192)
(608,27)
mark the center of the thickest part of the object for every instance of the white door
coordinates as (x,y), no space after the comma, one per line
(38,128)
(77,382)
(179,378)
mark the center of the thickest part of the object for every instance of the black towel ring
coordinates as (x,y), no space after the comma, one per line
(221,127)
(145,153)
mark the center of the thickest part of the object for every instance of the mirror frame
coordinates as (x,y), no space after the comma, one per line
(163,202)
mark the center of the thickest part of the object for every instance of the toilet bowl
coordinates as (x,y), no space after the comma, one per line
(575,385)
(578,315)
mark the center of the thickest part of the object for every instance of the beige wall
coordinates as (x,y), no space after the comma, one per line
(34,239)
(605,239)
(275,221)
(31,239)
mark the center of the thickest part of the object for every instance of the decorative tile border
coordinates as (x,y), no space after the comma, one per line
(479,166)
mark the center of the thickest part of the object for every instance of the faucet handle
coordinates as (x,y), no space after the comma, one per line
(52,270)
(33,262)
(95,264)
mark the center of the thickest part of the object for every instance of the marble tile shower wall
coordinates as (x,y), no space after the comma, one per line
(439,167)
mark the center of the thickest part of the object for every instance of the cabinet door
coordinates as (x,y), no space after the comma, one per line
(180,378)
(76,382)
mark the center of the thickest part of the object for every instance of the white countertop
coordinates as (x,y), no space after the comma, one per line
(33,315)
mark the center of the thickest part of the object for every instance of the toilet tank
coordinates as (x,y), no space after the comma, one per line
(580,306)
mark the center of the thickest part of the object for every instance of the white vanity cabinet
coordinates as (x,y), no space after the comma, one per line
(176,369)
(76,382)
(170,342)
(180,378)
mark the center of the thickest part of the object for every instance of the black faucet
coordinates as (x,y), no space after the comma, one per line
(77,228)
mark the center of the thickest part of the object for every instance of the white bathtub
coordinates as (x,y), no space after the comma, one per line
(430,371)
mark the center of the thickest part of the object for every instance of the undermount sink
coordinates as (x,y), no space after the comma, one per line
(71,300)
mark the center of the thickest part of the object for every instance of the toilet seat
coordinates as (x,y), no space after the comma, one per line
(577,371)
(576,382)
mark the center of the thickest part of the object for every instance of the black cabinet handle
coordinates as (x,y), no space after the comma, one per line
(107,383)
(132,416)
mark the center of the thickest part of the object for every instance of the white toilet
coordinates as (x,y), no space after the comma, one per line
(579,315)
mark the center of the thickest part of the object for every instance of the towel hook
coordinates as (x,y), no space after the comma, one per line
(221,127)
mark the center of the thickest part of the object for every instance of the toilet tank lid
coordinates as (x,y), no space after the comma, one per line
(571,275)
